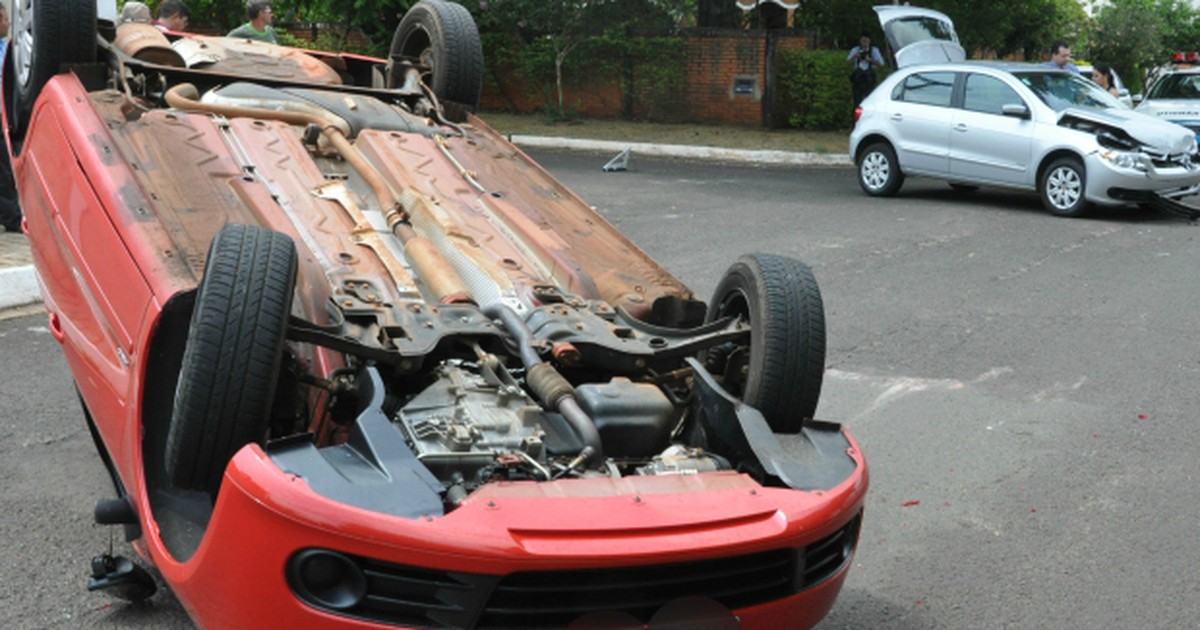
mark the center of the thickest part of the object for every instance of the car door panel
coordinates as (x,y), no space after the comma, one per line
(987,146)
(919,119)
(990,148)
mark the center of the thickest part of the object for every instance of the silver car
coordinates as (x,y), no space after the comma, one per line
(1020,126)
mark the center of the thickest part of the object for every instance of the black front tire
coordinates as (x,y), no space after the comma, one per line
(45,37)
(879,172)
(443,37)
(781,370)
(1063,186)
(234,350)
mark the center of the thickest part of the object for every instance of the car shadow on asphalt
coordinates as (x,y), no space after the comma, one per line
(998,199)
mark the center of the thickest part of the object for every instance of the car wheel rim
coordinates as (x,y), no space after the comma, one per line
(22,40)
(875,170)
(1064,188)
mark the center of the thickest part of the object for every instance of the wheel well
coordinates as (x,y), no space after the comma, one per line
(868,141)
(1050,157)
(163,361)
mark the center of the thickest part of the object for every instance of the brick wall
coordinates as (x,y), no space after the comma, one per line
(726,81)
(725,76)
(506,90)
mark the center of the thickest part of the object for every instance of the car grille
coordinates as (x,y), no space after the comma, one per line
(403,595)
(825,557)
(554,599)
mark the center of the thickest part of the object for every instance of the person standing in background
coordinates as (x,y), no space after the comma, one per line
(134,12)
(1060,57)
(1102,75)
(864,58)
(172,16)
(259,27)
(10,210)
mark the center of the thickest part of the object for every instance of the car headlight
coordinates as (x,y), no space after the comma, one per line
(1126,159)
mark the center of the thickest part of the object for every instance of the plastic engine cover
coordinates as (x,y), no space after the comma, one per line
(634,419)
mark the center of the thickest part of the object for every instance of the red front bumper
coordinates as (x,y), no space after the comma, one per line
(263,516)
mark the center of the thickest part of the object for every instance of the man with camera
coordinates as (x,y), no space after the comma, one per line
(864,58)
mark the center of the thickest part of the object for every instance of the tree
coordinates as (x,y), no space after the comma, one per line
(1000,27)
(377,18)
(553,29)
(1136,36)
(224,14)
(1014,27)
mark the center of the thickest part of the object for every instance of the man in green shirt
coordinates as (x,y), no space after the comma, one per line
(259,27)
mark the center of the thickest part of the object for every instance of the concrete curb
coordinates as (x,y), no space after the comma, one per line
(18,287)
(719,154)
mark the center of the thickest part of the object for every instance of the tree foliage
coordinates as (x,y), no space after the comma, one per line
(376,18)
(1137,36)
(223,14)
(549,31)
(997,27)
(814,88)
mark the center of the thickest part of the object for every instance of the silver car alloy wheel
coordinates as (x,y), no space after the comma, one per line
(875,170)
(1064,187)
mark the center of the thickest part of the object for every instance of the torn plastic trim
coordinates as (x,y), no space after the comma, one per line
(374,470)
(818,460)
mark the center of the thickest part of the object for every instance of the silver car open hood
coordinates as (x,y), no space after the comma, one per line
(919,36)
(1156,135)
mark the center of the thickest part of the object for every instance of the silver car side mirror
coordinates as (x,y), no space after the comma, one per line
(1016,110)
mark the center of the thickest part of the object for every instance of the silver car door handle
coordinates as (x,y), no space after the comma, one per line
(897,117)
(960,127)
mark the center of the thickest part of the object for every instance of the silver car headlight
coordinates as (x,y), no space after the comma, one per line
(1127,159)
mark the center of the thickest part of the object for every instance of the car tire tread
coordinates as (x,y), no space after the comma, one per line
(233,353)
(456,48)
(787,351)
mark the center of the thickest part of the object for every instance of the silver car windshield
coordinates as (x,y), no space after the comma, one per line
(1061,90)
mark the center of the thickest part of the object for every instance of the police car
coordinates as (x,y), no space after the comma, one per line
(1175,93)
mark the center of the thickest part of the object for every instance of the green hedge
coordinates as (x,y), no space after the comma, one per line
(815,89)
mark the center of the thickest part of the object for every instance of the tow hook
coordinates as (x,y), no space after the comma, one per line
(117,574)
(121,577)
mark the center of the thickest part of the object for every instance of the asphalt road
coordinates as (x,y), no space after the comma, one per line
(1021,386)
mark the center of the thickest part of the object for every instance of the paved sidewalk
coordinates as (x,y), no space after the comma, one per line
(18,284)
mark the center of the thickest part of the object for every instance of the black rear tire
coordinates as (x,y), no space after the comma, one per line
(781,371)
(232,359)
(443,37)
(879,172)
(45,37)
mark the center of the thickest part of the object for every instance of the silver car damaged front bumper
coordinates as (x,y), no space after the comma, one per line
(1110,184)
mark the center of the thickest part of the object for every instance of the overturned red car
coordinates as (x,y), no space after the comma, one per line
(352,359)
